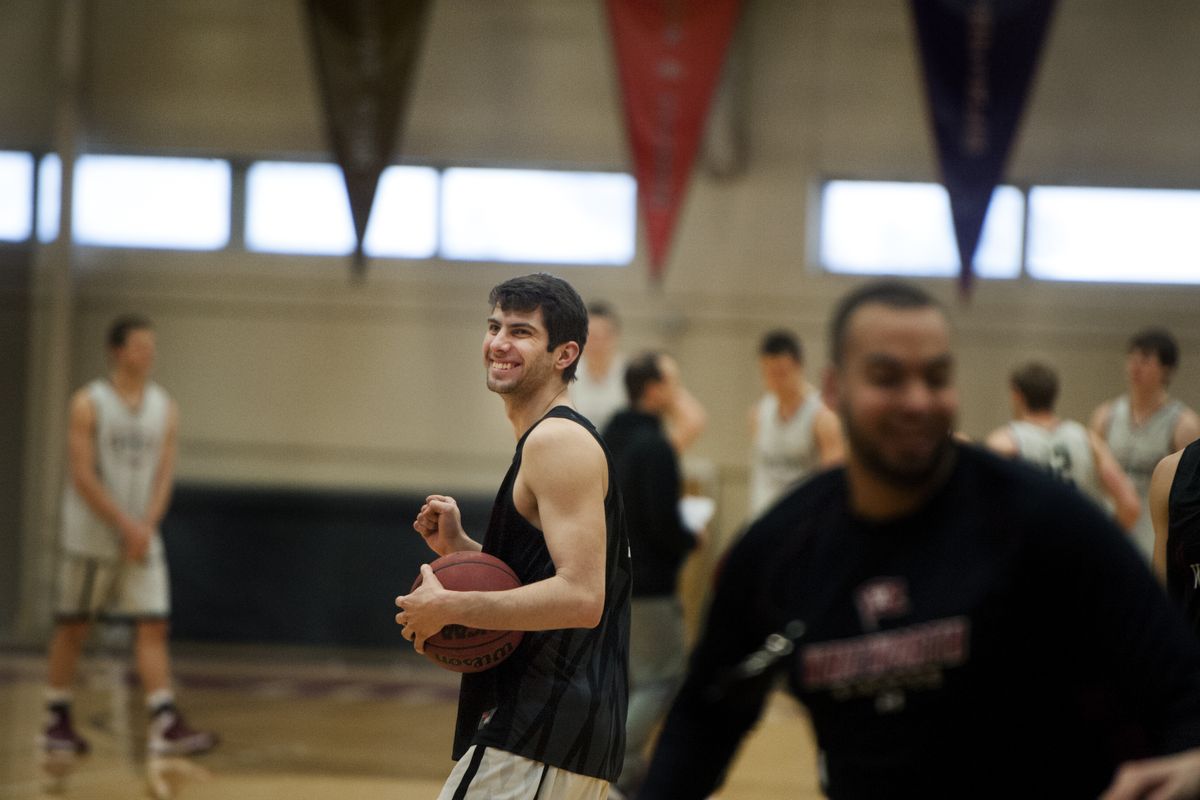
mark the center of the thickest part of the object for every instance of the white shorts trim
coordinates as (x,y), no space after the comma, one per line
(500,775)
(93,587)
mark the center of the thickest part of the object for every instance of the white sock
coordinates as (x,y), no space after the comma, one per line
(156,700)
(57,697)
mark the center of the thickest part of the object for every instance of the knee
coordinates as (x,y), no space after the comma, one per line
(152,631)
(74,633)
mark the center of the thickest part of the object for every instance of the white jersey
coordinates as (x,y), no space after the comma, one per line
(785,450)
(128,450)
(1138,449)
(598,400)
(1066,451)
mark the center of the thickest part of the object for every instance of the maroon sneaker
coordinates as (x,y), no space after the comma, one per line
(171,736)
(59,735)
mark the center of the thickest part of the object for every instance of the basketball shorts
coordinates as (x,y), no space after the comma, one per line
(90,588)
(491,774)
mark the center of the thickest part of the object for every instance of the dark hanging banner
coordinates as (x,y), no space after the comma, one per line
(979,58)
(365,53)
(669,55)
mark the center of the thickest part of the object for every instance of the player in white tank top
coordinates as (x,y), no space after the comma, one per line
(793,433)
(121,439)
(128,452)
(1064,447)
(1145,424)
(598,391)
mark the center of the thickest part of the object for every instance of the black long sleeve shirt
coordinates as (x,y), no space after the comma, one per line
(1003,641)
(648,471)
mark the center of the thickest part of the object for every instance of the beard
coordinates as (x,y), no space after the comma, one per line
(903,471)
(534,375)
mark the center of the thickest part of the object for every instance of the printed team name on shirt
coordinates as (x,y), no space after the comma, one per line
(131,444)
(885,663)
(784,461)
(914,657)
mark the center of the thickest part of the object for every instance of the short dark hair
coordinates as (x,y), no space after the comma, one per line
(122,326)
(890,293)
(640,373)
(604,310)
(1037,384)
(781,342)
(563,311)
(1158,341)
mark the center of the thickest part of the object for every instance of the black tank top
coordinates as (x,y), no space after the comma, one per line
(1183,536)
(560,698)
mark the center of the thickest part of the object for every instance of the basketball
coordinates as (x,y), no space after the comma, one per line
(462,649)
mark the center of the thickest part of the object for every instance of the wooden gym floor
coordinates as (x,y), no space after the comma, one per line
(298,723)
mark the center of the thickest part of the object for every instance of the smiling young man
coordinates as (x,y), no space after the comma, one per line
(957,624)
(549,722)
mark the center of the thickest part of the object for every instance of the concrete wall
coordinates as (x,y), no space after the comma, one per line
(290,374)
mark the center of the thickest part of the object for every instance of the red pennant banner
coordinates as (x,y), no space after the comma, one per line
(365,53)
(669,56)
(979,58)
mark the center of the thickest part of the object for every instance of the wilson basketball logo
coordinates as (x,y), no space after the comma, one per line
(473,663)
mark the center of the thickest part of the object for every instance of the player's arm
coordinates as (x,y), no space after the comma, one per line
(440,524)
(1175,777)
(1158,498)
(164,474)
(685,420)
(1001,441)
(1101,419)
(827,431)
(1116,484)
(1187,429)
(81,461)
(564,478)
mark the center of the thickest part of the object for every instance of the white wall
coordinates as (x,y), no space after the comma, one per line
(289,373)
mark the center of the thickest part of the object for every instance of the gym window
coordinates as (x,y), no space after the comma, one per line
(1118,235)
(16,196)
(538,216)
(1061,233)
(297,208)
(894,228)
(150,201)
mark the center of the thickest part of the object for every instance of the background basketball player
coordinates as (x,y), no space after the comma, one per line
(647,468)
(599,389)
(1063,446)
(792,431)
(1145,424)
(122,436)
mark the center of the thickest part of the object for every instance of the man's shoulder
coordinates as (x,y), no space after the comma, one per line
(823,492)
(153,387)
(1013,486)
(992,469)
(553,436)
(1102,416)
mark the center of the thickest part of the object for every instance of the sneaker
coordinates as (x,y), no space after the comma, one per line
(59,735)
(171,736)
